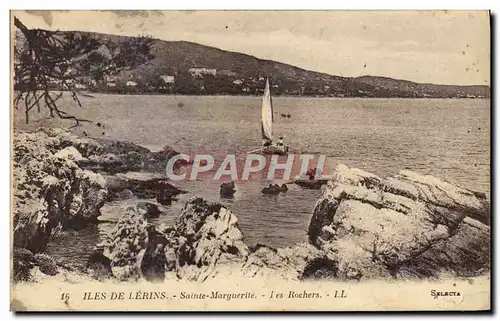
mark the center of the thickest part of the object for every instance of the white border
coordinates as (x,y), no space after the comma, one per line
(258,5)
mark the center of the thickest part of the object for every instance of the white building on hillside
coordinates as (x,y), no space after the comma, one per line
(202,71)
(168,79)
(225,72)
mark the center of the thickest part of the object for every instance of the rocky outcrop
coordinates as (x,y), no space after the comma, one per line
(50,190)
(30,267)
(138,249)
(126,243)
(56,185)
(311,184)
(121,157)
(466,253)
(363,226)
(407,225)
(201,235)
(142,185)
(206,233)
(205,242)
(298,262)
(309,180)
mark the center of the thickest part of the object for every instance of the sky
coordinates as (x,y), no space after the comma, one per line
(442,47)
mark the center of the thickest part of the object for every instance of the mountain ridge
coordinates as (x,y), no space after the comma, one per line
(242,74)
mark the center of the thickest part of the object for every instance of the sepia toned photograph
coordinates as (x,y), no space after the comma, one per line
(250,160)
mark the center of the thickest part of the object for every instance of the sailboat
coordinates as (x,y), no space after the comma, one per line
(267,124)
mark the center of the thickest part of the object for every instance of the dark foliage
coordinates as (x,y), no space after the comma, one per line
(50,64)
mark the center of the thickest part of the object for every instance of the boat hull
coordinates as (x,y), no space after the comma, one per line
(275,150)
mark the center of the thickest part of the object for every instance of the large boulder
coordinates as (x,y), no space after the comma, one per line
(50,190)
(298,262)
(206,232)
(136,248)
(465,253)
(407,225)
(143,185)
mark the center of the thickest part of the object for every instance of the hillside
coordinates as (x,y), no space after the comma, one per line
(144,60)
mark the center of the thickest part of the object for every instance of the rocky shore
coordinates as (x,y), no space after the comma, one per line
(51,191)
(402,226)
(61,181)
(362,227)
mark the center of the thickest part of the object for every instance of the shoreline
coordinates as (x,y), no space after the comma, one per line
(276,96)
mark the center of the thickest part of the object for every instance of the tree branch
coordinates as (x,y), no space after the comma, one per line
(47,59)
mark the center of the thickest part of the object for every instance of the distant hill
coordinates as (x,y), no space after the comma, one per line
(219,71)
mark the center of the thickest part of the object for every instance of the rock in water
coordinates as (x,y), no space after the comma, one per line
(148,209)
(311,184)
(227,189)
(143,185)
(274,189)
(50,190)
(309,180)
(400,226)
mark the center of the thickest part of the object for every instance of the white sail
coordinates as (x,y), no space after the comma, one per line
(267,114)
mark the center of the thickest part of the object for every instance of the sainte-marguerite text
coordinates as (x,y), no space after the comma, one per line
(216,295)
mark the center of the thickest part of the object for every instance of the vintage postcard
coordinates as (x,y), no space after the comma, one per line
(250,161)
